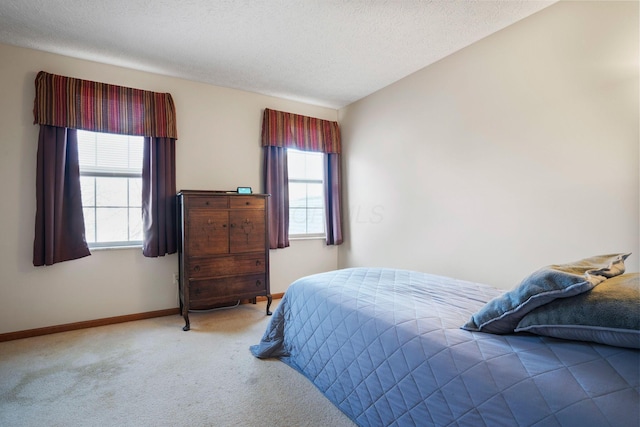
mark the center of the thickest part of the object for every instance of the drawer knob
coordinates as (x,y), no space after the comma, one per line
(258,283)
(247,203)
(196,268)
(206,203)
(257,262)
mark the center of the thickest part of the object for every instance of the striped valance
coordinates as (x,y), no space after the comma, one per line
(82,104)
(282,129)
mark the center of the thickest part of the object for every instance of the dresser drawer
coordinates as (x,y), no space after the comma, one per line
(226,266)
(215,202)
(205,292)
(246,202)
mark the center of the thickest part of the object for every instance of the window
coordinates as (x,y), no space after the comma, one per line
(306,193)
(111,185)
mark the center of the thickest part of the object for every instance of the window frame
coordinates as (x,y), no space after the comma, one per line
(302,236)
(101,172)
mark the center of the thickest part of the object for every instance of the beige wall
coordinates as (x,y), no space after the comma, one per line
(218,148)
(516,152)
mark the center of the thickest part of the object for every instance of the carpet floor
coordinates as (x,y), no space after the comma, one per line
(151,373)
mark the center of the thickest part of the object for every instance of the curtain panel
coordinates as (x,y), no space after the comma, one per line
(159,197)
(99,107)
(280,129)
(59,229)
(276,184)
(333,198)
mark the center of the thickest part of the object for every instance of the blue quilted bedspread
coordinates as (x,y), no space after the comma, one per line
(385,346)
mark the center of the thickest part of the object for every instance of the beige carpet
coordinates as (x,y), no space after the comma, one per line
(151,373)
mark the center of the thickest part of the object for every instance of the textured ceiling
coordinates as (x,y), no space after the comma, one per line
(324,52)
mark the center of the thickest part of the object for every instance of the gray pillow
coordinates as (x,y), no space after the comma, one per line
(607,314)
(502,314)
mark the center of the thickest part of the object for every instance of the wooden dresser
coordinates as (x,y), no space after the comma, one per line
(223,249)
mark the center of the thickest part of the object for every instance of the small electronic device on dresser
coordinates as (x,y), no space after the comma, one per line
(223,249)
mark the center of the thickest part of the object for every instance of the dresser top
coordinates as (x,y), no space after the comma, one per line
(210,193)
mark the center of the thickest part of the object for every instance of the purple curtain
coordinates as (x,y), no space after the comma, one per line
(281,130)
(333,198)
(276,181)
(59,229)
(159,197)
(68,103)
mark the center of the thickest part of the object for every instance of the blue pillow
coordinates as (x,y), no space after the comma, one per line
(607,314)
(502,314)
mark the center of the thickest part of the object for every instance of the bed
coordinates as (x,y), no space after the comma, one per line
(387,347)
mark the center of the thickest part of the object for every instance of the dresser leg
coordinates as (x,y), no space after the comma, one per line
(187,325)
(269,299)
